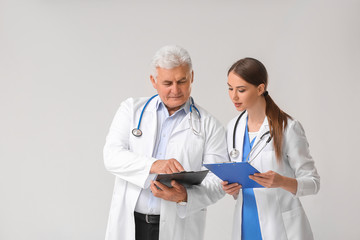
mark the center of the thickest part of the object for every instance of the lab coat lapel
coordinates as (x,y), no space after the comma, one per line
(149,127)
(263,129)
(184,124)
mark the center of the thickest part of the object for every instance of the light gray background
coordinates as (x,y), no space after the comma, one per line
(65,66)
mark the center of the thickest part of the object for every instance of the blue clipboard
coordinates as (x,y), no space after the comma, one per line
(235,172)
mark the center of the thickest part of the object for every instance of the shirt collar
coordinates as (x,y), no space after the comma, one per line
(185,107)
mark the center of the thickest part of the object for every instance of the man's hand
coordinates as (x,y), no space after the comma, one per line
(166,166)
(177,193)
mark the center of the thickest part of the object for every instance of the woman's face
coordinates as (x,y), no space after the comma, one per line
(243,94)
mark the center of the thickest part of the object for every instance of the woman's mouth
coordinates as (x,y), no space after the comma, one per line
(237,105)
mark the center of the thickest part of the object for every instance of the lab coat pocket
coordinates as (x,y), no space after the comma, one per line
(297,225)
(268,161)
(190,152)
(195,222)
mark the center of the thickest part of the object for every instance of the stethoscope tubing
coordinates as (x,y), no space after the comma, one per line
(256,145)
(142,112)
(137,132)
(235,127)
(235,153)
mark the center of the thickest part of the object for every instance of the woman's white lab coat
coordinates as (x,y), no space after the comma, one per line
(129,159)
(281,214)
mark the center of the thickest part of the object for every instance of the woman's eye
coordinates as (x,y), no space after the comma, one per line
(241,91)
(230,89)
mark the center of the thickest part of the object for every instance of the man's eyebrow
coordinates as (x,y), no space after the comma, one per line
(169,81)
(182,79)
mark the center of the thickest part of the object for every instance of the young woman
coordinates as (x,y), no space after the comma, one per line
(280,153)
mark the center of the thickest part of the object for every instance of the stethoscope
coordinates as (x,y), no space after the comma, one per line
(234,153)
(137,132)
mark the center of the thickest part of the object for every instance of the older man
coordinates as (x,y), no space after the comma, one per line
(164,134)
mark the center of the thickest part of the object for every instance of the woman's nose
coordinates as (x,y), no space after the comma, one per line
(234,95)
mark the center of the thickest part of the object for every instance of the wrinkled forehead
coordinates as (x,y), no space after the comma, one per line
(174,74)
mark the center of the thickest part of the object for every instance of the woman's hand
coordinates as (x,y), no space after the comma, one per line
(231,189)
(271,179)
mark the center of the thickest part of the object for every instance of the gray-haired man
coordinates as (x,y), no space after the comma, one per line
(164,134)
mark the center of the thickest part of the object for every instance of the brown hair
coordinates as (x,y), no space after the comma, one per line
(254,72)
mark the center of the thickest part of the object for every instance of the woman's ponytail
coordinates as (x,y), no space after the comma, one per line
(254,72)
(278,120)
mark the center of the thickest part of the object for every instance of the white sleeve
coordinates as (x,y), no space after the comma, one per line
(118,159)
(300,160)
(210,190)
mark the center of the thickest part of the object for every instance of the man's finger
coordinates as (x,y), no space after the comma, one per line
(173,168)
(162,186)
(178,166)
(156,186)
(176,185)
(155,190)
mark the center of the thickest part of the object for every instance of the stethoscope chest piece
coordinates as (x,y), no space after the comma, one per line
(234,153)
(136,132)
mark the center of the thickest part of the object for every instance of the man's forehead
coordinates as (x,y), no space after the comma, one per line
(173,73)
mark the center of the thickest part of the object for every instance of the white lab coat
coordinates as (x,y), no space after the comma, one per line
(281,214)
(129,158)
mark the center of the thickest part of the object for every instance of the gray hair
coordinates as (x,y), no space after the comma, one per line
(170,56)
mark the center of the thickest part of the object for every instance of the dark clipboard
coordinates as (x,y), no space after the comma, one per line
(185,178)
(235,172)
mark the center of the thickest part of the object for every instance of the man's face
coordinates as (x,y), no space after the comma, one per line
(173,86)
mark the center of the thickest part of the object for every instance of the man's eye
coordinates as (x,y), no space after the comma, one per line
(182,81)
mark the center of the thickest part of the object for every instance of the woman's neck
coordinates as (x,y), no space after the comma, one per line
(256,115)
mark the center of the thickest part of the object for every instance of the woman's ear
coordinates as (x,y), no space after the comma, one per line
(261,89)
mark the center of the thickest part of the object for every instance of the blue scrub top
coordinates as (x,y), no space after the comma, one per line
(250,226)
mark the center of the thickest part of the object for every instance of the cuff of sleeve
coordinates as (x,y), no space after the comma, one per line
(306,187)
(183,211)
(300,187)
(151,176)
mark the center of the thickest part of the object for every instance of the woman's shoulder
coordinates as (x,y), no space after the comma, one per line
(294,127)
(232,122)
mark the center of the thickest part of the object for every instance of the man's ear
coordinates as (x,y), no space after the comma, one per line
(153,81)
(192,76)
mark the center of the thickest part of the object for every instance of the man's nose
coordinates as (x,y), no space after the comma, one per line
(175,88)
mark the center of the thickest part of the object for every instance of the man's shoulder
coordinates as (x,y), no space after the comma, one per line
(204,113)
(135,102)
(208,118)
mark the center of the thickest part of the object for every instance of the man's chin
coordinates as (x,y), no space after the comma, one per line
(175,103)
